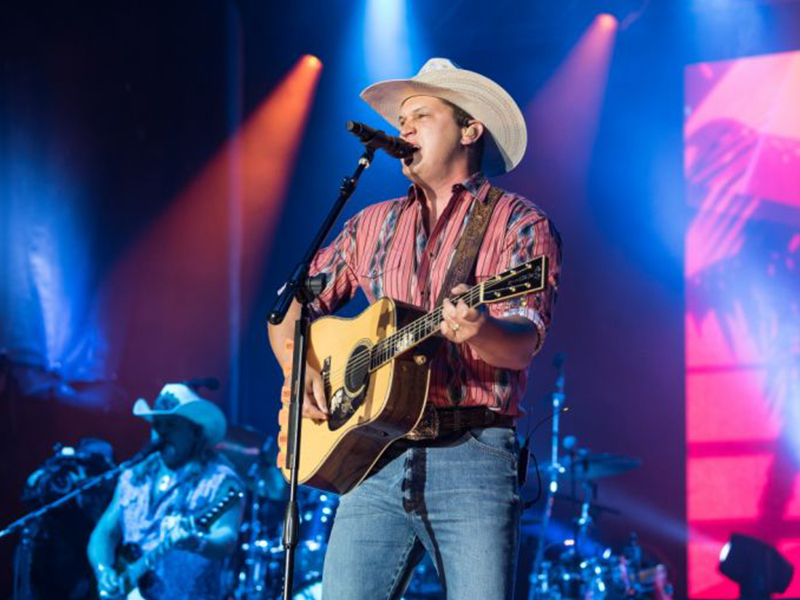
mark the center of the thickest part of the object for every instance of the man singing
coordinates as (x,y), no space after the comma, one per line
(453,494)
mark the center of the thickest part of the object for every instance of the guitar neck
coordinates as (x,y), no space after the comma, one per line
(519,281)
(419,330)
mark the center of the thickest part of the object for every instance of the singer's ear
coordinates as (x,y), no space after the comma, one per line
(472,133)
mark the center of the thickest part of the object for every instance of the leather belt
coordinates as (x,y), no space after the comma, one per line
(438,422)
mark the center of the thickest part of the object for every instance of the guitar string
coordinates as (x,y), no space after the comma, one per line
(385,348)
(434,318)
(415,328)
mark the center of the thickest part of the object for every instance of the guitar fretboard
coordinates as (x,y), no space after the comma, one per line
(417,331)
(518,281)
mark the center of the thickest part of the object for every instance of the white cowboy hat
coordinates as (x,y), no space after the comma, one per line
(179,400)
(481,97)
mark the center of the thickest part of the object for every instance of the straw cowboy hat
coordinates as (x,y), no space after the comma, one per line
(481,97)
(179,400)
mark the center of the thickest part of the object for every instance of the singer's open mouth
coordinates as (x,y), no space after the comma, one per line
(409,159)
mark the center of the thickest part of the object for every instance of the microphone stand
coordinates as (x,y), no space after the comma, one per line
(304,289)
(22,523)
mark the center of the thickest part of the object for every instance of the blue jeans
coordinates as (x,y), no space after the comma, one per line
(458,500)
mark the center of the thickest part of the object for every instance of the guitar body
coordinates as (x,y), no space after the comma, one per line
(126,556)
(368,410)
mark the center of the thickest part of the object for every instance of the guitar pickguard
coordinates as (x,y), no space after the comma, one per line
(346,400)
(342,407)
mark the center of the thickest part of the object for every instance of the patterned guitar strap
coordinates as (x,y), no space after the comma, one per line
(468,245)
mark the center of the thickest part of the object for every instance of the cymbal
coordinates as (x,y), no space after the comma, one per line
(242,446)
(590,467)
(593,506)
(253,456)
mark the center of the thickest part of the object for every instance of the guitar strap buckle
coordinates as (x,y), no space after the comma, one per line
(428,426)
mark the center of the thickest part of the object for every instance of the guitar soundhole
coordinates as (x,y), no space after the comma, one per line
(345,401)
(357,371)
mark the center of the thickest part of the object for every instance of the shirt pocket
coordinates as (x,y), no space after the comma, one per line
(373,278)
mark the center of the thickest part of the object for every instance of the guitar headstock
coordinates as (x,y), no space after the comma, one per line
(523,279)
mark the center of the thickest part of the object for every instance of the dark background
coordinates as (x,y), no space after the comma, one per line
(131,100)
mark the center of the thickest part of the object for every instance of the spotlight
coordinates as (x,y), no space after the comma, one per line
(758,568)
(622,12)
(607,21)
(313,62)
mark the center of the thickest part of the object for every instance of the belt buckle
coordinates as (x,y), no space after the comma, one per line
(428,426)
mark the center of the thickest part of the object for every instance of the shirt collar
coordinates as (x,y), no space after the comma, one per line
(477,185)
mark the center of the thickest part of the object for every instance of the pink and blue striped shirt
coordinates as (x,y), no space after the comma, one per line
(385,250)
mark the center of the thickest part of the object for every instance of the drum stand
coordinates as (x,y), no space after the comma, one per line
(584,522)
(23,557)
(538,580)
(251,580)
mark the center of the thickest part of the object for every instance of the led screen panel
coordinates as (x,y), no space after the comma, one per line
(742,321)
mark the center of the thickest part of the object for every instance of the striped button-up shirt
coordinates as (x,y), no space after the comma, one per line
(385,250)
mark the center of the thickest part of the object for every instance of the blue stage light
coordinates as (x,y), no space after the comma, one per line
(387,46)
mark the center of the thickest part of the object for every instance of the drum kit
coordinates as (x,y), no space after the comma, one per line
(574,567)
(256,570)
(569,566)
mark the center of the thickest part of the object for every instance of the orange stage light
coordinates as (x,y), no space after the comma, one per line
(313,61)
(564,116)
(201,260)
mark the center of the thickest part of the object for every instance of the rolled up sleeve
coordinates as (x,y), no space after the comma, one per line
(530,236)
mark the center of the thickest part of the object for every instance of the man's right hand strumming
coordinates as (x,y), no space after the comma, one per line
(315,405)
(281,338)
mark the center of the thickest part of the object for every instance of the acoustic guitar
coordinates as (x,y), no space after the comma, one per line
(376,370)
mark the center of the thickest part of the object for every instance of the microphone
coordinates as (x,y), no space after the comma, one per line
(377,139)
(149,449)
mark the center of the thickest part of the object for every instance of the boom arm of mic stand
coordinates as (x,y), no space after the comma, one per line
(302,289)
(296,286)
